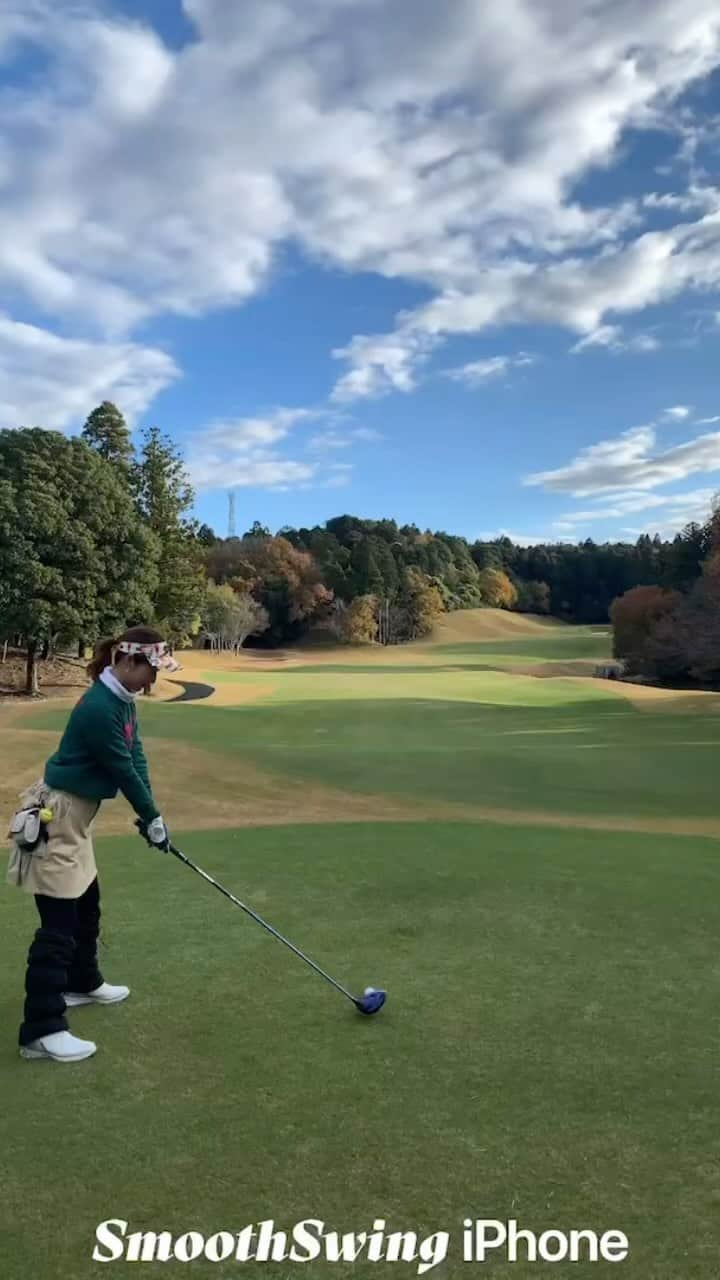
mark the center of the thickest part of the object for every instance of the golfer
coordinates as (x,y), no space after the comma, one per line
(100,754)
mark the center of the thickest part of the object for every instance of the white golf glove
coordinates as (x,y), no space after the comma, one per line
(158,835)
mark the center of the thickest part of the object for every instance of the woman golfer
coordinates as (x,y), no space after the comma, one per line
(100,754)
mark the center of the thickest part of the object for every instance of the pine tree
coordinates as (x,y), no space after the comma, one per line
(106,432)
(163,494)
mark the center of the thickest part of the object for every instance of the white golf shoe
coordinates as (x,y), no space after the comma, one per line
(61,1046)
(104,994)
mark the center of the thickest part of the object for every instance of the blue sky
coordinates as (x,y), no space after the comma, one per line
(462,271)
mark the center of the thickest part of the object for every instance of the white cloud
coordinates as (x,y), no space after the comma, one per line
(679,412)
(139,181)
(369,435)
(643,342)
(338,476)
(427,151)
(242,453)
(379,365)
(480,371)
(607,335)
(673,506)
(54,382)
(239,435)
(213,471)
(675,512)
(525,539)
(707,422)
(575,293)
(611,338)
(20,20)
(697,199)
(326,441)
(631,461)
(334,438)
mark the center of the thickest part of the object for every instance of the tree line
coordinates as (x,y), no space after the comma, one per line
(96,535)
(672,634)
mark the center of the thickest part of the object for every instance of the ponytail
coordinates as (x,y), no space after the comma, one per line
(102,658)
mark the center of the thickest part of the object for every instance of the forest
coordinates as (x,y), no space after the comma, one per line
(97,534)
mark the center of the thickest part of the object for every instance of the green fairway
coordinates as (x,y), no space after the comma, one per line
(579,758)
(548,1050)
(476,682)
(563,643)
(489,739)
(548,1047)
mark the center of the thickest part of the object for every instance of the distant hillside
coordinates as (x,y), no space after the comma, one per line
(472,626)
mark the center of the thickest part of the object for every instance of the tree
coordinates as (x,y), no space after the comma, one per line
(367,574)
(355,623)
(358,557)
(498,592)
(258,530)
(74,559)
(245,618)
(635,616)
(106,432)
(204,535)
(533,597)
(711,564)
(162,488)
(215,608)
(487,555)
(700,623)
(684,644)
(684,557)
(229,617)
(225,560)
(281,578)
(163,494)
(422,604)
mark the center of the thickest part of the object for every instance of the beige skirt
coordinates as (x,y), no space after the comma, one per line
(65,866)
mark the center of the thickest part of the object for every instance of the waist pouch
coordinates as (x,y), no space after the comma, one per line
(28,833)
(28,830)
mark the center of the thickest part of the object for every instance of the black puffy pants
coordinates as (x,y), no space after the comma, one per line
(62,957)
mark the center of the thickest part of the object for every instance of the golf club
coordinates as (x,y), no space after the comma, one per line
(369,1002)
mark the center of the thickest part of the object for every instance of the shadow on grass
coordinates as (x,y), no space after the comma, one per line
(381,668)
(590,757)
(561,648)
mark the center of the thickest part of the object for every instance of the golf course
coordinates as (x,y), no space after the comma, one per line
(524,856)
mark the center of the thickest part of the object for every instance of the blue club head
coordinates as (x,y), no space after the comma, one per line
(371,1000)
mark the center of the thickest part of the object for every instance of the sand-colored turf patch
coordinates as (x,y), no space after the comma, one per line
(650,699)
(477,625)
(235,695)
(165,690)
(194,660)
(646,697)
(547,670)
(204,790)
(198,789)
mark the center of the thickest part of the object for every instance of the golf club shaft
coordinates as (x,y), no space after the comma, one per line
(259,920)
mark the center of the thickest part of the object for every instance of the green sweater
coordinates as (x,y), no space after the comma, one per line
(100,753)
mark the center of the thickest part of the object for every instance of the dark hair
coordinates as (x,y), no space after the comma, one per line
(102,656)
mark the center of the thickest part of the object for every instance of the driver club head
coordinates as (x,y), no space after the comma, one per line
(371,1000)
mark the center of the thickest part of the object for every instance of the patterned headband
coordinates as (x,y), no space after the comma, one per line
(156,654)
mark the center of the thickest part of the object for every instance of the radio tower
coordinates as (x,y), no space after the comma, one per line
(231,515)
